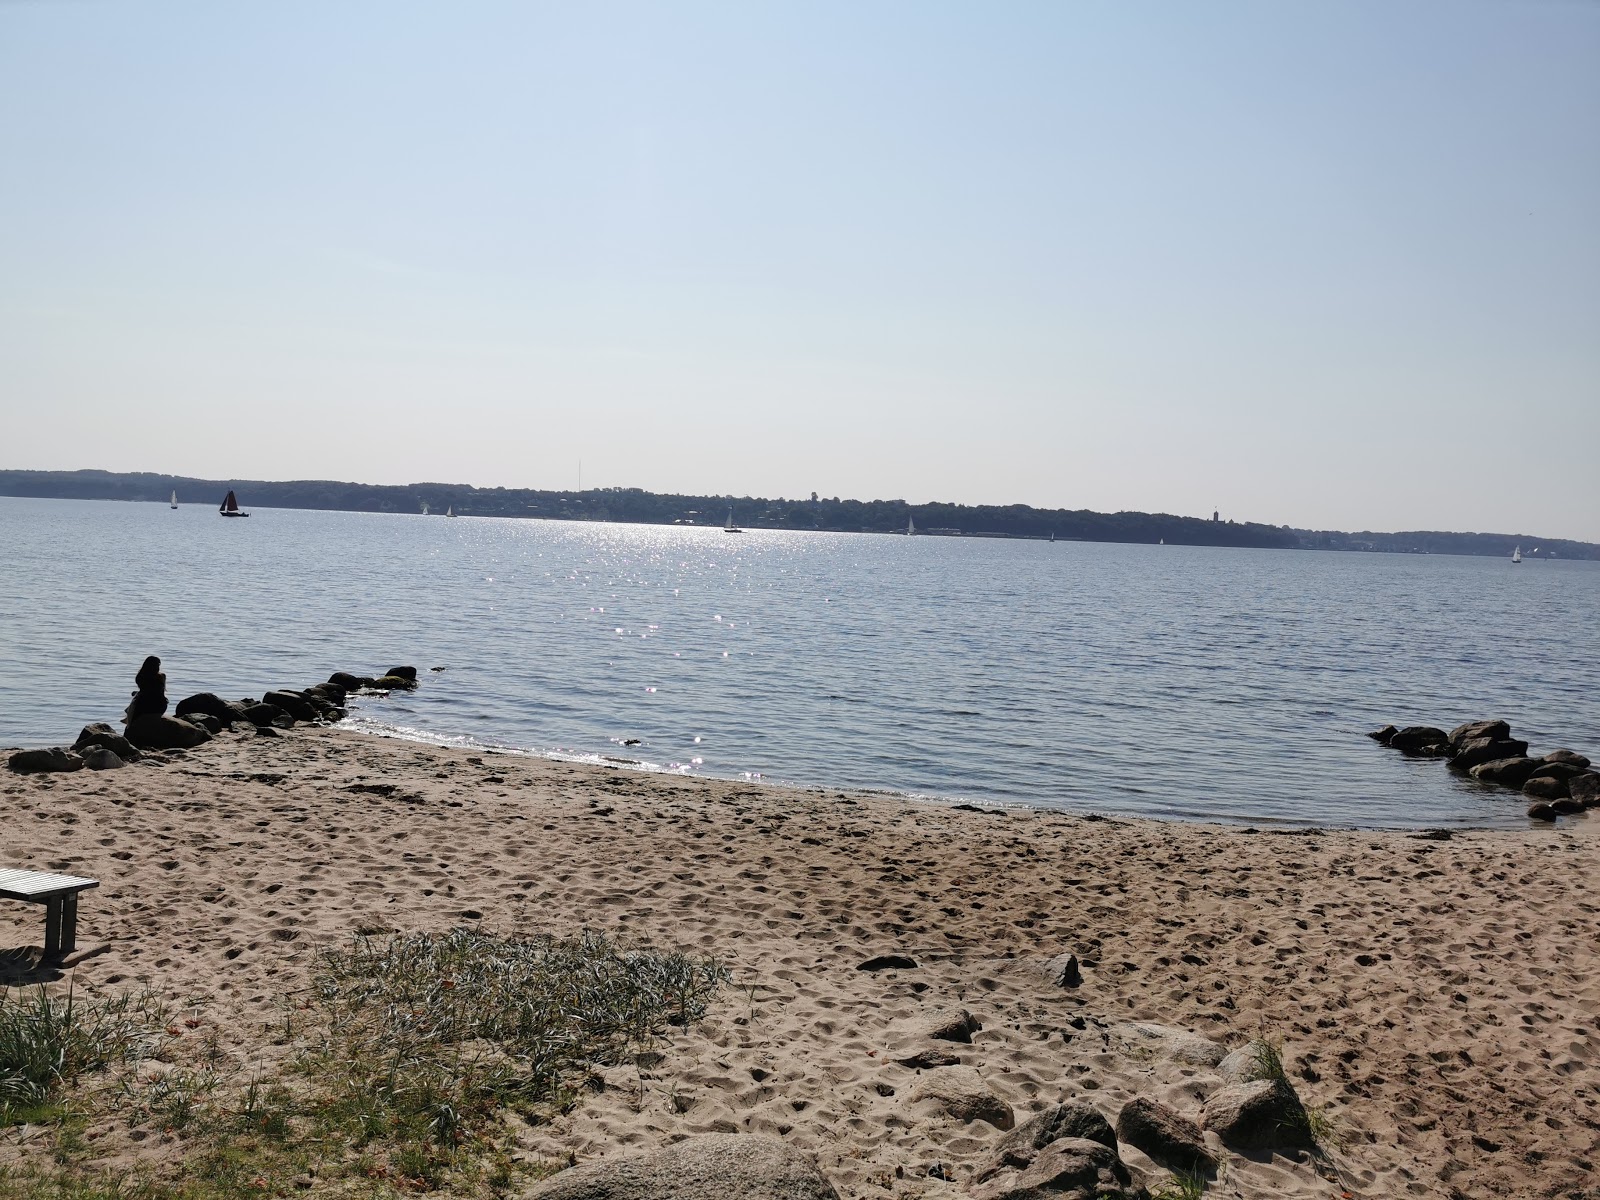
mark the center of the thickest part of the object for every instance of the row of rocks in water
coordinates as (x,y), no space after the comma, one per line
(1556,784)
(198,718)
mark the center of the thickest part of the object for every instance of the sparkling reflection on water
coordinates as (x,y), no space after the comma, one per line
(1158,681)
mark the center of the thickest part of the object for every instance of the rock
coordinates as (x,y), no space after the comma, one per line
(101,734)
(349,682)
(393,683)
(927,1059)
(264,714)
(1507,772)
(1544,787)
(1241,1065)
(55,758)
(98,758)
(1264,1114)
(204,720)
(1462,734)
(1171,1043)
(150,732)
(1421,741)
(409,673)
(1555,770)
(1383,736)
(1169,1138)
(1069,1119)
(1567,756)
(225,711)
(1070,1168)
(956,1026)
(331,692)
(708,1166)
(293,703)
(1482,750)
(962,1093)
(1585,788)
(1542,810)
(267,731)
(888,962)
(1062,970)
(1567,806)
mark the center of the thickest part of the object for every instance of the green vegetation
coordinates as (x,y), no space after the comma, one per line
(1268,1065)
(408,1070)
(1182,1186)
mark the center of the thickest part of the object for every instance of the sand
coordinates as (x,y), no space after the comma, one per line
(1437,1000)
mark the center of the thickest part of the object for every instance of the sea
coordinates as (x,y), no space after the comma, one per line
(1122,680)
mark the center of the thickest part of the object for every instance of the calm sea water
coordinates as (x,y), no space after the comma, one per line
(1157,681)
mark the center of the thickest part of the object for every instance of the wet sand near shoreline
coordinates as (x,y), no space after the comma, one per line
(1437,1000)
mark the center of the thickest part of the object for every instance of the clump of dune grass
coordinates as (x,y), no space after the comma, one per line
(47,1041)
(1313,1121)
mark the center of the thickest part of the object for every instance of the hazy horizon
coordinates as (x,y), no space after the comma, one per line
(1332,267)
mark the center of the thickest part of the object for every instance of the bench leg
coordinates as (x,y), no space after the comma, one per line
(52,926)
(69,923)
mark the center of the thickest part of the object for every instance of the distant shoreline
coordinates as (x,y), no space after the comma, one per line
(635,506)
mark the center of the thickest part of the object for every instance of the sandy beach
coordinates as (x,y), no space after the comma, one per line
(1435,998)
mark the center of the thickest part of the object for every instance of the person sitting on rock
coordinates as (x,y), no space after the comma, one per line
(151,698)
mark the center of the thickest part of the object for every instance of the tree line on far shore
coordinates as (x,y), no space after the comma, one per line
(637,506)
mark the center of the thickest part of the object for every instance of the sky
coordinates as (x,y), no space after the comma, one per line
(1325,264)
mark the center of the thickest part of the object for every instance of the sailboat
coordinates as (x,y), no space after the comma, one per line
(174,499)
(449,510)
(230,507)
(730,527)
(911,525)
(1516,555)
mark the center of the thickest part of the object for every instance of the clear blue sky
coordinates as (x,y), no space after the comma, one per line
(1326,264)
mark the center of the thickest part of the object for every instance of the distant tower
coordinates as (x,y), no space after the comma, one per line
(1215,515)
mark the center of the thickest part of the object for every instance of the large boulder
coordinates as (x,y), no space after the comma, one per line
(1546,787)
(267,714)
(293,703)
(1070,1119)
(1556,770)
(1070,1168)
(1063,971)
(710,1166)
(349,682)
(31,762)
(393,683)
(150,732)
(98,758)
(1472,730)
(1567,756)
(1168,1137)
(1421,741)
(101,734)
(226,712)
(331,692)
(1507,772)
(403,673)
(960,1092)
(1383,736)
(1264,1114)
(1481,750)
(205,720)
(1585,789)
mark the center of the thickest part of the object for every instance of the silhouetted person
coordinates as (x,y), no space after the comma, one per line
(152,694)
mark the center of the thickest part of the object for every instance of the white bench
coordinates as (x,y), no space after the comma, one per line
(58,894)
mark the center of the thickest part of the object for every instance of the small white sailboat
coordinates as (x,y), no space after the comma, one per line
(174,499)
(911,525)
(1516,555)
(730,527)
(449,510)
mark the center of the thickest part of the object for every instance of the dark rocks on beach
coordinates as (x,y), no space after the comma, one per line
(98,758)
(293,703)
(331,692)
(707,1166)
(1166,1136)
(204,720)
(409,673)
(393,683)
(1481,750)
(1546,787)
(54,758)
(101,734)
(1422,741)
(1383,736)
(227,712)
(956,1026)
(151,732)
(1067,1150)
(1555,770)
(349,682)
(1567,806)
(1264,1114)
(263,714)
(1542,810)
(1063,971)
(1585,789)
(1507,772)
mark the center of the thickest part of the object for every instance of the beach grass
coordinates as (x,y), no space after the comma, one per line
(410,1060)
